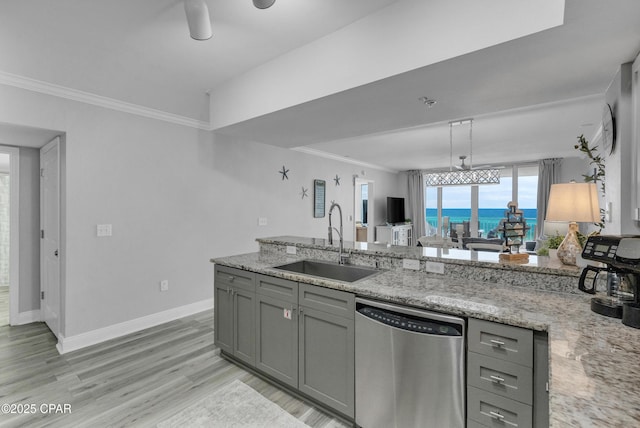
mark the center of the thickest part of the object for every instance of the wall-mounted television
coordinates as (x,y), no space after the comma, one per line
(395,210)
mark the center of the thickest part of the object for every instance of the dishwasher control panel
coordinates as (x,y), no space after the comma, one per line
(410,323)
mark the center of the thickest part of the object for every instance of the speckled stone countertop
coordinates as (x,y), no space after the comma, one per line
(447,255)
(594,360)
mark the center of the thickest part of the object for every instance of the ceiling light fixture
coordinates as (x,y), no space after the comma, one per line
(427,101)
(198,19)
(263,4)
(466,176)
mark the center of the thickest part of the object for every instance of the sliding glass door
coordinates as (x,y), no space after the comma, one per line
(486,203)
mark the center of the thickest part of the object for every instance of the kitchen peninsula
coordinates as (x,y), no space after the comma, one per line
(594,377)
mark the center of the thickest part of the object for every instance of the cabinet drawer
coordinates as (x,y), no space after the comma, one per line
(328,300)
(513,344)
(236,277)
(500,377)
(277,288)
(492,410)
(473,424)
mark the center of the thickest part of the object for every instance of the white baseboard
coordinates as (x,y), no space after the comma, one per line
(72,343)
(27,317)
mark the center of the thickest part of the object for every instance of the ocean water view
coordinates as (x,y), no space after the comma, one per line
(488,218)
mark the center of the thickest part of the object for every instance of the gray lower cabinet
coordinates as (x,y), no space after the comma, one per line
(327,347)
(299,334)
(277,328)
(234,313)
(507,374)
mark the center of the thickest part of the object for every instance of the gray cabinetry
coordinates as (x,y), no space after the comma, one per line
(327,349)
(304,337)
(506,376)
(277,328)
(234,314)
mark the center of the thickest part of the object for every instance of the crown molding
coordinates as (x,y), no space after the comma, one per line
(47,88)
(327,155)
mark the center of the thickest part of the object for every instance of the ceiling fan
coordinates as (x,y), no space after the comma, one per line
(465,167)
(199,20)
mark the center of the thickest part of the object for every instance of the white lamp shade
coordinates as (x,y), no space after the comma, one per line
(198,19)
(573,202)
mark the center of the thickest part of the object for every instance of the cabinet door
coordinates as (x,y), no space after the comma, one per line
(277,338)
(327,353)
(223,318)
(244,326)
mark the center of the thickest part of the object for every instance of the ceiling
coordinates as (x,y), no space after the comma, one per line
(530,97)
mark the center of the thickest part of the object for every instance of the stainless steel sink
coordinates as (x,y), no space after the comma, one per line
(346,273)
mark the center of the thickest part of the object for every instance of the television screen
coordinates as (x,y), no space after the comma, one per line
(395,210)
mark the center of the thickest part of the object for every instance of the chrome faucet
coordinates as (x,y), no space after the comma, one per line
(341,255)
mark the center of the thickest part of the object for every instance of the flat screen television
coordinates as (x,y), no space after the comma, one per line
(395,210)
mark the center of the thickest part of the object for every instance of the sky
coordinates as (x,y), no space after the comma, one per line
(490,195)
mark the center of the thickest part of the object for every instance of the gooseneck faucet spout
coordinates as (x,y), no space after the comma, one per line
(341,255)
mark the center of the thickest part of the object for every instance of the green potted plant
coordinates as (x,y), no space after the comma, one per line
(597,161)
(552,243)
(550,246)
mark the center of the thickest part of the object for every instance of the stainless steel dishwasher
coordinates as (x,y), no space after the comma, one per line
(409,367)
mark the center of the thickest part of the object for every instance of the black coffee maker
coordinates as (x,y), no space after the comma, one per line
(621,258)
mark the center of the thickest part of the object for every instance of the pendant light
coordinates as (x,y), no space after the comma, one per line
(467,173)
(198,19)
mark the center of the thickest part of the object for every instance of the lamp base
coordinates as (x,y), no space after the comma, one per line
(570,247)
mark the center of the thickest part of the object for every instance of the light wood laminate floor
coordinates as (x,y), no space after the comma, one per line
(138,380)
(4,306)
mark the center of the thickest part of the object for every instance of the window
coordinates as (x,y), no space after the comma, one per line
(458,203)
(431,205)
(492,203)
(528,197)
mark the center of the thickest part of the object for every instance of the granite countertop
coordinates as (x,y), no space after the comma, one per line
(447,255)
(594,360)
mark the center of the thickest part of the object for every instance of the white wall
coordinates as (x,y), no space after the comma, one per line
(252,170)
(620,179)
(176,197)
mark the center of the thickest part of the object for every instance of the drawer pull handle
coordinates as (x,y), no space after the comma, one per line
(232,278)
(497,343)
(496,379)
(496,415)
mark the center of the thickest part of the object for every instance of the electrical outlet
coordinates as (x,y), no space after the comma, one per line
(104,230)
(262,221)
(291,249)
(411,264)
(434,267)
(164,285)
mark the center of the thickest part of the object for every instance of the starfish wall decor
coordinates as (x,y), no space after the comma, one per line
(337,180)
(284,172)
(304,193)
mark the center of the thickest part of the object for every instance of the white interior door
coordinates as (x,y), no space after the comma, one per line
(357,207)
(50,234)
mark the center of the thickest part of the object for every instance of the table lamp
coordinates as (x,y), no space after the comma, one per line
(573,202)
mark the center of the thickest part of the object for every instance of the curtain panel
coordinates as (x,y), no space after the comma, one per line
(415,202)
(548,174)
